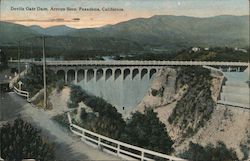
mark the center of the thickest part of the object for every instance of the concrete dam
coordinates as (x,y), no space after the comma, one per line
(123,87)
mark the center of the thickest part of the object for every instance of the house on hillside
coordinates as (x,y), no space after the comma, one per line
(241,50)
(195,49)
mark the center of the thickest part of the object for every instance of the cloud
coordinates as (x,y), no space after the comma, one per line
(45,20)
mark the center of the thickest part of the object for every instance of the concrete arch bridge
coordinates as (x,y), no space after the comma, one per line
(130,70)
(77,70)
(124,83)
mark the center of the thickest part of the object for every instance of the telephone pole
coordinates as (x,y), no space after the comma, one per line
(31,52)
(19,70)
(44,76)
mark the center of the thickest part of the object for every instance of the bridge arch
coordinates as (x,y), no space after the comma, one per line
(126,73)
(80,75)
(108,73)
(70,76)
(61,75)
(99,74)
(152,73)
(90,74)
(118,72)
(144,72)
(135,72)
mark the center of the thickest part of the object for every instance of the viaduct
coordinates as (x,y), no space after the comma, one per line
(77,70)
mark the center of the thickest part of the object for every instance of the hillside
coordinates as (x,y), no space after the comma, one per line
(191,114)
(210,54)
(184,100)
(52,31)
(11,33)
(178,31)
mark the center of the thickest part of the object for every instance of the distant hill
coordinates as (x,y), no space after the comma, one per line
(37,29)
(144,34)
(11,33)
(61,41)
(53,31)
(177,31)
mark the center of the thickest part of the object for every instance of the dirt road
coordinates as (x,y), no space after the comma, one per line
(68,147)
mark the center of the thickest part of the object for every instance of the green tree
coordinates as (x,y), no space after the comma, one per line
(144,130)
(210,152)
(21,140)
(147,131)
(33,80)
(196,106)
(108,122)
(3,60)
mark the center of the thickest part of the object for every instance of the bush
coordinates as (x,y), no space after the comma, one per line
(62,119)
(144,130)
(154,92)
(33,80)
(219,152)
(3,61)
(83,114)
(147,131)
(21,140)
(245,150)
(197,100)
(108,122)
(76,96)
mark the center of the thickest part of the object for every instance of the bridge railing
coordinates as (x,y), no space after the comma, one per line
(135,62)
(117,147)
(21,92)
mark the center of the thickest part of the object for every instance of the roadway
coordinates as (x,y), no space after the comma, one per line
(68,147)
(134,63)
(9,107)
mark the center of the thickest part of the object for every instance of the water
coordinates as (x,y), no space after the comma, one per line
(236,88)
(240,77)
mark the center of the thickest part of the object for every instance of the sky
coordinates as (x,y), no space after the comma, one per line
(28,12)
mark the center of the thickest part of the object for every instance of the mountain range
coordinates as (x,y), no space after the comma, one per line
(52,31)
(157,32)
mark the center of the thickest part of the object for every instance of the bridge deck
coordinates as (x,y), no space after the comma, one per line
(135,62)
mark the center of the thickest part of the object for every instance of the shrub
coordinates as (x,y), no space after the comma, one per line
(219,152)
(154,92)
(245,150)
(62,119)
(147,131)
(83,114)
(33,80)
(21,140)
(197,101)
(3,61)
(109,122)
(144,130)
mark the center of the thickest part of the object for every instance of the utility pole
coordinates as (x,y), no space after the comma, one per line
(31,52)
(19,70)
(44,76)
